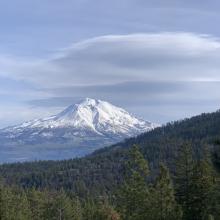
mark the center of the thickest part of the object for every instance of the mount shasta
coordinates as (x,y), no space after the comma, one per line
(78,130)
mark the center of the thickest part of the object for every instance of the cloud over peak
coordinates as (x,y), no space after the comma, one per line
(144,70)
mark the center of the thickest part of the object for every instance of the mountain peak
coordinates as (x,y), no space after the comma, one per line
(88,124)
(95,115)
(92,102)
(84,103)
(89,101)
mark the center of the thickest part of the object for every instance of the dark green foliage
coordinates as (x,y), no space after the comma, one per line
(163,202)
(216,155)
(139,201)
(77,187)
(37,202)
(197,186)
(14,204)
(183,178)
(49,205)
(134,195)
(59,206)
(201,190)
(137,198)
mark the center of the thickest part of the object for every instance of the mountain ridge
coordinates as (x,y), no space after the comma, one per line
(83,127)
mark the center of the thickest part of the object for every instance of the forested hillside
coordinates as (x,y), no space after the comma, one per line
(192,194)
(169,173)
(102,171)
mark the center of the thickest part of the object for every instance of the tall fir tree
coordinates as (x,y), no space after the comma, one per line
(14,204)
(163,203)
(37,203)
(134,194)
(1,200)
(89,209)
(23,211)
(202,188)
(59,206)
(183,176)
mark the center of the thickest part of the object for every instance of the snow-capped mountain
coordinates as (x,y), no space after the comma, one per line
(80,128)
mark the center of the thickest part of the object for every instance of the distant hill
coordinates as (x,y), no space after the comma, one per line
(103,170)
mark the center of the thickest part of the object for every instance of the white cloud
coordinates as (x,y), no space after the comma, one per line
(121,58)
(139,71)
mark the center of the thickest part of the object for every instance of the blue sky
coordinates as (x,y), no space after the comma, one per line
(157,59)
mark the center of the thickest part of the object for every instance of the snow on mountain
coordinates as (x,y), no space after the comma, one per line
(88,123)
(97,116)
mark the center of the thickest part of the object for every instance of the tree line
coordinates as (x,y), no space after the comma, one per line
(192,192)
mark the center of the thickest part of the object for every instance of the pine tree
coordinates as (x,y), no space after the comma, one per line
(133,196)
(183,176)
(89,209)
(1,200)
(59,206)
(14,204)
(77,209)
(163,204)
(202,187)
(23,211)
(37,203)
(8,204)
(216,191)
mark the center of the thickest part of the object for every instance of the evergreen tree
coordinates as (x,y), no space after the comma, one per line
(183,176)
(163,204)
(215,201)
(37,203)
(8,202)
(216,192)
(59,207)
(22,207)
(77,209)
(89,209)
(1,200)
(202,188)
(14,204)
(133,196)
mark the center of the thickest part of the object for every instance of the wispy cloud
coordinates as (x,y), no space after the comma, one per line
(151,68)
(120,58)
